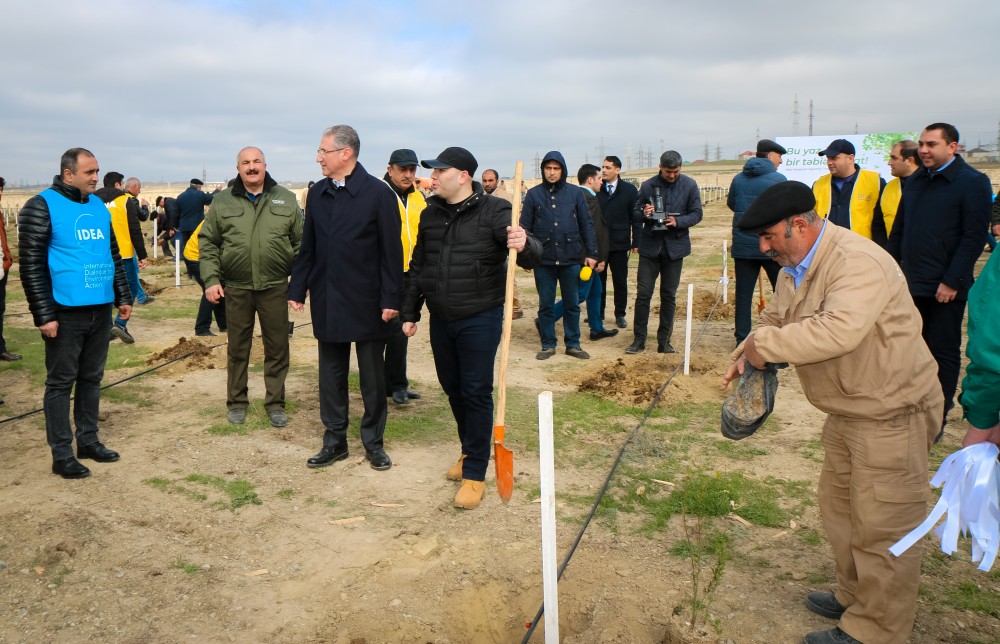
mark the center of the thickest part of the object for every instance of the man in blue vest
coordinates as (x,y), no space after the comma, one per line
(72,274)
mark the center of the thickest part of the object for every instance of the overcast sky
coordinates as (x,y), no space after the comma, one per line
(164,89)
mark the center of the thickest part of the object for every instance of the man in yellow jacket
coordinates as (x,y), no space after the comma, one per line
(849,196)
(400,175)
(843,315)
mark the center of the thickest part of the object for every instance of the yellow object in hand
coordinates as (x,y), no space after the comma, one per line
(585,273)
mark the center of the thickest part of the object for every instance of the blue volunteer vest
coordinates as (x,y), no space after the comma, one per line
(80,263)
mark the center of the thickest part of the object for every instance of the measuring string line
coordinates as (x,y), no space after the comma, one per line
(127,378)
(614,468)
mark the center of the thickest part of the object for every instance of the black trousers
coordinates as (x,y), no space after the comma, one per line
(334,363)
(203,321)
(618,270)
(746,279)
(669,272)
(943,334)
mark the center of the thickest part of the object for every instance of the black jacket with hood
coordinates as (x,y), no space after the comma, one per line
(557,215)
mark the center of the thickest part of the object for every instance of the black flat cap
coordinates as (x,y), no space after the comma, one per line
(780,201)
(458,158)
(197,182)
(838,147)
(403,158)
(767,145)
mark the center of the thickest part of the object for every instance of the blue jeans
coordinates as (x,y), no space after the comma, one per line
(75,356)
(669,272)
(132,274)
(568,279)
(464,353)
(590,292)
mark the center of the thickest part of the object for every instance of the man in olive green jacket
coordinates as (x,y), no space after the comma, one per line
(250,238)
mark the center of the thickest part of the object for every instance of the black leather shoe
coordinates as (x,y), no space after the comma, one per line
(70,468)
(7,356)
(824,604)
(635,347)
(621,322)
(379,459)
(328,455)
(832,636)
(600,335)
(665,348)
(412,395)
(98,452)
(400,397)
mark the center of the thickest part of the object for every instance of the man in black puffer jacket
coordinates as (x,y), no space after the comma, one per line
(459,266)
(71,273)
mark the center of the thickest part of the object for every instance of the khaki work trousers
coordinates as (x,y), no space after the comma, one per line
(873,491)
(271,308)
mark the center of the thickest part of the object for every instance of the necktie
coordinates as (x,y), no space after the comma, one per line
(611,189)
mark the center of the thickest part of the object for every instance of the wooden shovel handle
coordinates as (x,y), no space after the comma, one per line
(508,312)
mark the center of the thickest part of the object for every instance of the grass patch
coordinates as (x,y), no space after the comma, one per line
(739,451)
(285,494)
(810,537)
(973,597)
(237,492)
(129,393)
(257,419)
(186,567)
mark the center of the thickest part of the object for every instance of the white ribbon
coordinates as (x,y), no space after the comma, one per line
(970,503)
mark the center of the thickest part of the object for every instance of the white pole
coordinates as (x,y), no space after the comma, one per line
(725,274)
(177,263)
(546,466)
(687,332)
(156,242)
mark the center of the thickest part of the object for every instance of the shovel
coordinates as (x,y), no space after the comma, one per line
(760,290)
(503,457)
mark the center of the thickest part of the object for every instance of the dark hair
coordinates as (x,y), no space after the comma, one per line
(586,171)
(3,182)
(71,157)
(948,132)
(311,184)
(615,161)
(670,160)
(908,150)
(495,173)
(111,178)
(158,201)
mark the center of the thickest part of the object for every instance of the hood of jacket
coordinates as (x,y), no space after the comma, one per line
(108,194)
(556,156)
(757,166)
(240,190)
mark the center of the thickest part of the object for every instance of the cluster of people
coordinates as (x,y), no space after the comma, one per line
(870,286)
(868,305)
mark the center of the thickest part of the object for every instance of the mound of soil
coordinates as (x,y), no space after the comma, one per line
(199,354)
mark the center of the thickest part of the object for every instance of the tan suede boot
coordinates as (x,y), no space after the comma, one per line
(470,494)
(455,471)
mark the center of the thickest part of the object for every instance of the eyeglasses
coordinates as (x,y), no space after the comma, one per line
(325,152)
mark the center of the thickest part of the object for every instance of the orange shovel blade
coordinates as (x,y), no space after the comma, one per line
(504,460)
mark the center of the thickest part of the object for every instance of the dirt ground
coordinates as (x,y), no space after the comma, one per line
(148,550)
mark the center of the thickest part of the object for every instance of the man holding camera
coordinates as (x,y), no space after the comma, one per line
(668,204)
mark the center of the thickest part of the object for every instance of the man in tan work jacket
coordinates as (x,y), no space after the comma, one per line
(842,314)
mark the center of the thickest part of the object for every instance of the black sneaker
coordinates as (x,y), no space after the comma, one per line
(577,352)
(121,333)
(824,604)
(635,347)
(545,354)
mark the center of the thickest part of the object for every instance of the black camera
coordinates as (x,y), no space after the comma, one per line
(660,214)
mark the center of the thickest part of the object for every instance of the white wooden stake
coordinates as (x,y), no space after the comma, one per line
(725,274)
(546,462)
(177,263)
(156,242)
(687,332)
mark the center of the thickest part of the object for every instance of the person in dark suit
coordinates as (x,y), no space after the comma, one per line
(617,198)
(351,264)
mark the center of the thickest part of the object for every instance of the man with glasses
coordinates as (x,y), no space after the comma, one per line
(351,265)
